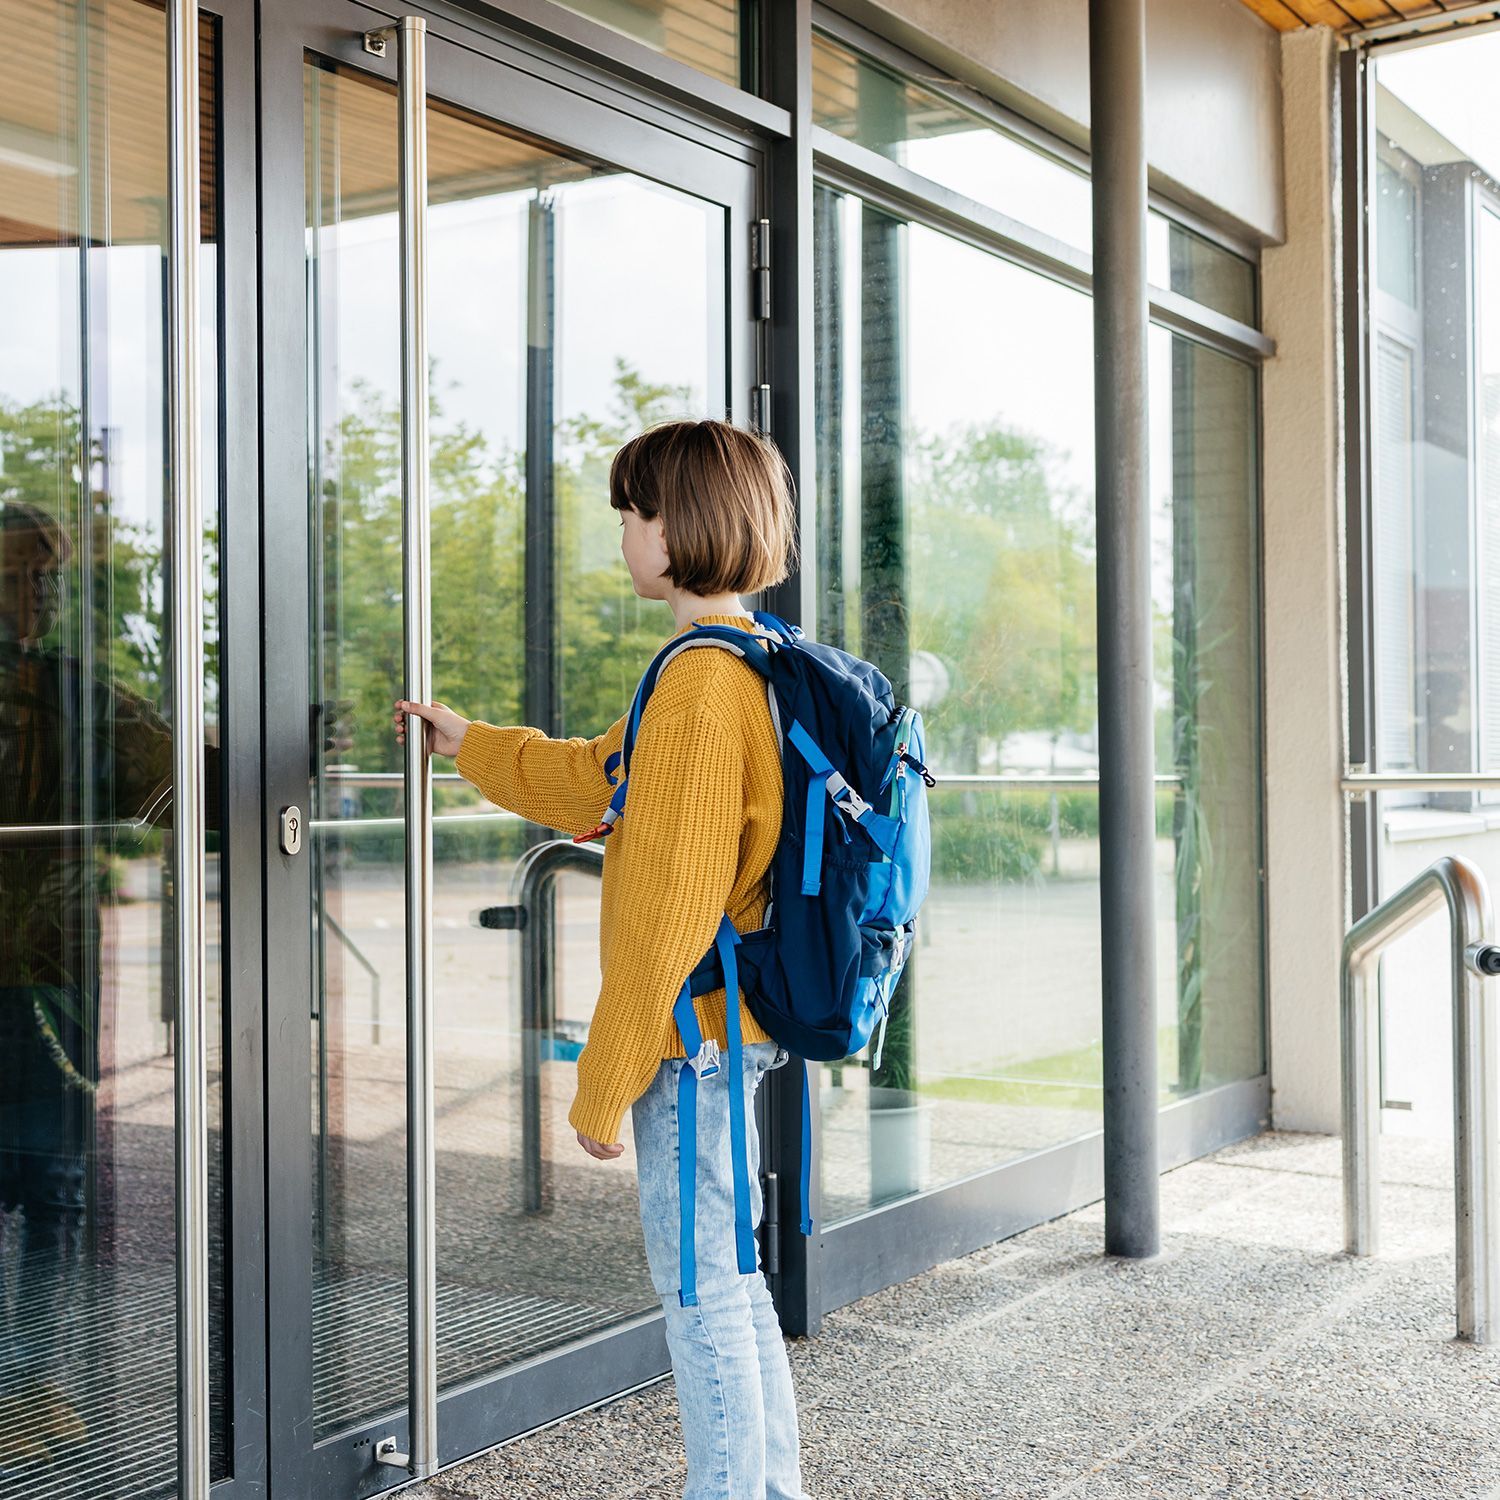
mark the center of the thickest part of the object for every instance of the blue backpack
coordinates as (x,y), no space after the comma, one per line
(849,873)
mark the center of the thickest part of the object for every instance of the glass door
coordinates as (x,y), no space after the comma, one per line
(93,1221)
(586,273)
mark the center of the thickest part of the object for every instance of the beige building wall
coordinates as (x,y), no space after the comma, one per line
(1213,109)
(1305,876)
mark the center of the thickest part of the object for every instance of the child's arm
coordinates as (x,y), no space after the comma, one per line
(558,783)
(678,852)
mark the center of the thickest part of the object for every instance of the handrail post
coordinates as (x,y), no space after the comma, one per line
(1476,1079)
(1476,1118)
(1359,1034)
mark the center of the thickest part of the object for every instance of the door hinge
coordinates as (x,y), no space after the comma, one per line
(760,408)
(760,268)
(772,1222)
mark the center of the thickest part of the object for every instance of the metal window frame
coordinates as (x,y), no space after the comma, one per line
(1484,199)
(242,850)
(1356,120)
(557,42)
(1358,154)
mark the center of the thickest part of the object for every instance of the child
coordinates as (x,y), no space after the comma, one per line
(706,515)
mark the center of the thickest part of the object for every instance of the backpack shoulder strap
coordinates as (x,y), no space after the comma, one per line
(752,649)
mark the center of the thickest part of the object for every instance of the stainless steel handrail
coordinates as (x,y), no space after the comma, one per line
(21,833)
(185,532)
(361,958)
(333,775)
(1022,780)
(1476,1081)
(1042,781)
(350,826)
(1357,783)
(533,913)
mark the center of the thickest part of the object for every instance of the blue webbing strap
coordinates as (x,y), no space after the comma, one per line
(812,843)
(776,623)
(817,791)
(806,1182)
(637,708)
(726,940)
(687,1144)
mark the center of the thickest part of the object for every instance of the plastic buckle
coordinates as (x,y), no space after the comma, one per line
(706,1063)
(901,946)
(845,798)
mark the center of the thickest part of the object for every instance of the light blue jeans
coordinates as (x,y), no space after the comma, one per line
(734,1386)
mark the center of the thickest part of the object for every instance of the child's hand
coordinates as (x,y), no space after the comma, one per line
(446,729)
(597,1149)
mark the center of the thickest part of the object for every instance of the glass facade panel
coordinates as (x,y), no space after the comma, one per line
(872,106)
(713,36)
(358,946)
(863,102)
(955,549)
(1205,592)
(534,386)
(1185,262)
(1434,433)
(88,1379)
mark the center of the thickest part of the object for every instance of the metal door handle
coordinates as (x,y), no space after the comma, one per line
(185,511)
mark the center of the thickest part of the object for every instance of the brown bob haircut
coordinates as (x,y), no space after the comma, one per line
(724,496)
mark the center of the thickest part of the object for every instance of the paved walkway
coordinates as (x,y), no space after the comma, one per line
(1251,1359)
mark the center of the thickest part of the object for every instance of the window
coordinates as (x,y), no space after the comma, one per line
(938,137)
(1434,513)
(708,36)
(858,99)
(955,548)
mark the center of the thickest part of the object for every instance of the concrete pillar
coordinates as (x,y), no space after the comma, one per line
(1303,502)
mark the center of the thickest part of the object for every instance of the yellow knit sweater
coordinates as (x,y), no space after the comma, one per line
(695,841)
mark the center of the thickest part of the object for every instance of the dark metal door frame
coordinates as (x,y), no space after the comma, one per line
(233,298)
(492,79)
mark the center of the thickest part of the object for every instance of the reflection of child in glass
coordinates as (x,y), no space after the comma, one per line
(72,746)
(706,516)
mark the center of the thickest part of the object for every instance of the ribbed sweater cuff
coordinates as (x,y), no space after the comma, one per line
(480,753)
(598,1116)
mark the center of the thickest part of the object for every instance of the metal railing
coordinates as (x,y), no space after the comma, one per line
(1476,1080)
(533,914)
(1358,784)
(360,957)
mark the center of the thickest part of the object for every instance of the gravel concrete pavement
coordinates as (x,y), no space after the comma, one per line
(1252,1358)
